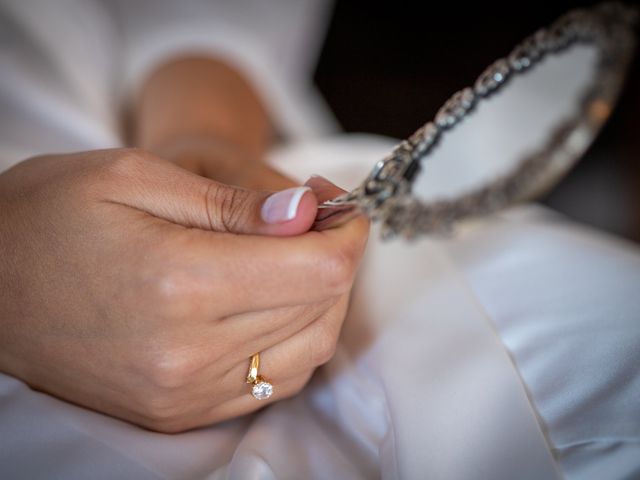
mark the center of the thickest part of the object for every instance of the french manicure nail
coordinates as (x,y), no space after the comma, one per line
(282,206)
(314,178)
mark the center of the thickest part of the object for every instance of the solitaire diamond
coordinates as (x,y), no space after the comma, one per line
(262,390)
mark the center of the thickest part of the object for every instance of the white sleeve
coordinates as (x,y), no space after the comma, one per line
(69,68)
(275,44)
(57,76)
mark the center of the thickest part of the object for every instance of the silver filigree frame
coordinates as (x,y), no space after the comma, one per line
(385,195)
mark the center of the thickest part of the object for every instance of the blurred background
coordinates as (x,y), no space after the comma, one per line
(386,68)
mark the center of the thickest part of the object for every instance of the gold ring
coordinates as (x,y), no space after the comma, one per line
(261,388)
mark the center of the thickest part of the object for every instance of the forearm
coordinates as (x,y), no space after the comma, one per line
(200,101)
(204,116)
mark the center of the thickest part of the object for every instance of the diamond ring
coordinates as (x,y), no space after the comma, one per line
(261,388)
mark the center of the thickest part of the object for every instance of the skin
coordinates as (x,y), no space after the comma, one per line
(137,284)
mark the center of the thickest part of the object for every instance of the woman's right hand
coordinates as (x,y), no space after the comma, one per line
(135,288)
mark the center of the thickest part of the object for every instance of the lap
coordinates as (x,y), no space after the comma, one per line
(507,349)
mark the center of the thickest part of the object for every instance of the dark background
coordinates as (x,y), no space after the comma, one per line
(386,68)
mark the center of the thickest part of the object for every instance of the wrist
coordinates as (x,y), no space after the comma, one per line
(203,99)
(209,156)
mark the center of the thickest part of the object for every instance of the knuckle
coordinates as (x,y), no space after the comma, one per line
(113,170)
(168,369)
(226,207)
(174,293)
(162,420)
(124,163)
(323,347)
(159,409)
(169,286)
(338,268)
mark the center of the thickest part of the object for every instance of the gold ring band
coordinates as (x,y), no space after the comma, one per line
(261,389)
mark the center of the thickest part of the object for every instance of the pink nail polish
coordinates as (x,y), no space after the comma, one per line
(283,206)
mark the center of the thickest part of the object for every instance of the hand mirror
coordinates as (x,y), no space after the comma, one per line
(509,137)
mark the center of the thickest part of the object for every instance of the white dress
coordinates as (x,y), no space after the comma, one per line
(511,351)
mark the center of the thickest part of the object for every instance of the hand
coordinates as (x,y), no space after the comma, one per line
(135,288)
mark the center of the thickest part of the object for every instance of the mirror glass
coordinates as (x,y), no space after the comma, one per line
(514,121)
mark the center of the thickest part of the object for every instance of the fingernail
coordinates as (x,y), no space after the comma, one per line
(315,180)
(282,206)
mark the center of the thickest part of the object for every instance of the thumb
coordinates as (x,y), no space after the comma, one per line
(238,210)
(169,192)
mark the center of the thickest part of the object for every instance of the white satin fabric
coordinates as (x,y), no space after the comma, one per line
(508,352)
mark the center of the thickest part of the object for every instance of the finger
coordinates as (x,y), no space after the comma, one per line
(162,189)
(227,276)
(255,176)
(287,366)
(323,188)
(257,331)
(206,414)
(305,350)
(247,404)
